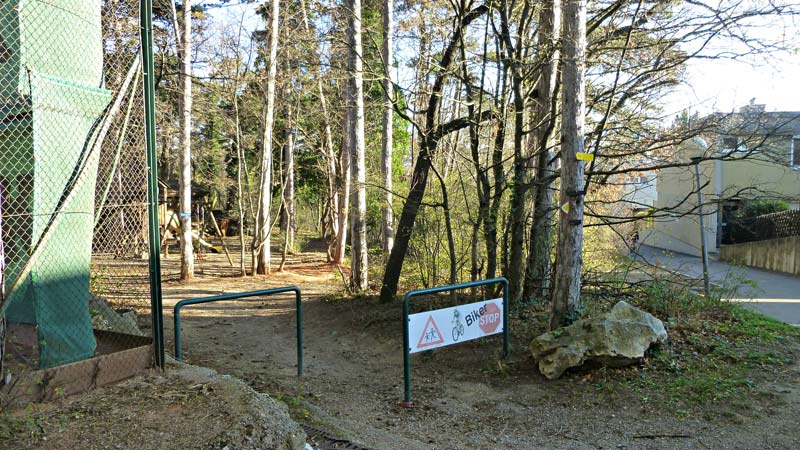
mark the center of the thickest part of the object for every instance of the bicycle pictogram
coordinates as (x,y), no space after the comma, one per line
(458,327)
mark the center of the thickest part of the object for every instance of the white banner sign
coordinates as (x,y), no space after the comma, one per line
(450,326)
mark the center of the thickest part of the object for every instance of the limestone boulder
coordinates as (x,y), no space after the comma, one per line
(104,317)
(617,338)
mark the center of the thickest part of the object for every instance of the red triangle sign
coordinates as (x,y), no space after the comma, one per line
(430,334)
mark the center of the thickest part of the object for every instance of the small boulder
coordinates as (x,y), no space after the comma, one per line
(617,338)
(106,318)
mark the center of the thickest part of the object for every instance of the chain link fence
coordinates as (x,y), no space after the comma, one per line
(73,180)
(768,226)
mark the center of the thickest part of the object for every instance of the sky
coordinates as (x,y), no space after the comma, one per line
(771,78)
(711,85)
(727,85)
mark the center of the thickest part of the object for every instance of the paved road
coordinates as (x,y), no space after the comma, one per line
(773,293)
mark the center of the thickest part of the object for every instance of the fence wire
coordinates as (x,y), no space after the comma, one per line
(768,226)
(73,181)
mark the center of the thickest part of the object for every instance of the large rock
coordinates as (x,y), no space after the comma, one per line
(254,420)
(617,338)
(104,317)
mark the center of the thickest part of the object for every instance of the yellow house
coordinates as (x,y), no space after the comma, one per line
(751,154)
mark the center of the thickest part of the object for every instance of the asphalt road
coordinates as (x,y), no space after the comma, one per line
(774,294)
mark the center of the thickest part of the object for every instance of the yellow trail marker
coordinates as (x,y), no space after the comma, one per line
(581,156)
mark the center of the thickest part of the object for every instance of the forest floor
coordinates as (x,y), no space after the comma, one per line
(729,379)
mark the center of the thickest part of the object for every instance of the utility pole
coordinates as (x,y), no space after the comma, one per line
(703,246)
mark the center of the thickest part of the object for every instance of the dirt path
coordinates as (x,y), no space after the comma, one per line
(465,396)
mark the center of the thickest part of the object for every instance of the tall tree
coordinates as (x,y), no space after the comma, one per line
(265,192)
(355,107)
(540,238)
(567,283)
(387,141)
(343,192)
(515,54)
(184,45)
(289,218)
(327,144)
(430,133)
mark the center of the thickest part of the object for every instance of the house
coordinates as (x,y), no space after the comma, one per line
(750,154)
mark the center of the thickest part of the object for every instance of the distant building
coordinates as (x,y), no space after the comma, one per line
(759,157)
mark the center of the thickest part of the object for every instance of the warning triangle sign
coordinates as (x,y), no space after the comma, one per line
(430,334)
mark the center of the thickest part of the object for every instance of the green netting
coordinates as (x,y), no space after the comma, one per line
(52,65)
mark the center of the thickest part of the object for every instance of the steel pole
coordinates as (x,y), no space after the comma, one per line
(176,314)
(703,245)
(298,297)
(146,18)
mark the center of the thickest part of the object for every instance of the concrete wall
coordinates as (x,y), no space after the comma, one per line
(760,177)
(678,226)
(762,174)
(779,255)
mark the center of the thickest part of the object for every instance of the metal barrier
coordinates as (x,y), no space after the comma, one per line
(260,293)
(406,341)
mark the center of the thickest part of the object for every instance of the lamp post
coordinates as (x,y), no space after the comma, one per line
(703,247)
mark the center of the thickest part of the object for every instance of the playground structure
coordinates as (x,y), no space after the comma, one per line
(77,281)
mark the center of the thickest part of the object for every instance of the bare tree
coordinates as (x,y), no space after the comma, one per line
(544,116)
(358,219)
(515,54)
(388,118)
(430,134)
(289,182)
(328,150)
(344,185)
(265,193)
(184,45)
(567,285)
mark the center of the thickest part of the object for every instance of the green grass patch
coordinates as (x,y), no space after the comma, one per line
(721,355)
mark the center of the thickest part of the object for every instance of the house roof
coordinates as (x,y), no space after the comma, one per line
(756,122)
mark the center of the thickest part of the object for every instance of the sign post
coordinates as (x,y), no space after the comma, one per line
(448,326)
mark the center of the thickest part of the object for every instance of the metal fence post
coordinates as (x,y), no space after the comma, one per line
(299,318)
(154,235)
(223,297)
(505,318)
(406,355)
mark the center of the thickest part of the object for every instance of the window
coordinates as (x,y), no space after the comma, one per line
(796,152)
(730,142)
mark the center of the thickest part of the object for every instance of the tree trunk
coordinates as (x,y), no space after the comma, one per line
(265,191)
(419,179)
(493,216)
(482,179)
(517,215)
(344,184)
(515,50)
(420,98)
(239,184)
(328,151)
(288,190)
(451,243)
(387,141)
(538,268)
(185,178)
(567,285)
(358,220)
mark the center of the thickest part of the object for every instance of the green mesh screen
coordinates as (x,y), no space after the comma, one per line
(73,176)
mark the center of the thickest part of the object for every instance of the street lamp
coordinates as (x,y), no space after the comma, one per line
(703,247)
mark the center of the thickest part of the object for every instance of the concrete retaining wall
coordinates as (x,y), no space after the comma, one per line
(779,255)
